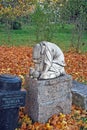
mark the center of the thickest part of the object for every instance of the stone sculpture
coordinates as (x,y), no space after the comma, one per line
(49,61)
(48,92)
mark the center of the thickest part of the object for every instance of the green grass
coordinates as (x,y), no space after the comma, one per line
(26,36)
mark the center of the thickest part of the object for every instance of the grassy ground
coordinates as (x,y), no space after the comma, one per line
(26,36)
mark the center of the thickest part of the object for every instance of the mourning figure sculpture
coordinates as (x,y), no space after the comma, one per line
(49,61)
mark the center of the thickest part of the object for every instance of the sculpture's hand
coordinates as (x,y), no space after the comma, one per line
(34,73)
(43,76)
(31,71)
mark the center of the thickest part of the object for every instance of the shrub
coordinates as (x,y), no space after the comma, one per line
(16,25)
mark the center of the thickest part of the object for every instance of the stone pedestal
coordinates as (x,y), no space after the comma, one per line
(48,97)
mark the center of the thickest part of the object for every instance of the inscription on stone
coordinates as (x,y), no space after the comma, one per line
(10,102)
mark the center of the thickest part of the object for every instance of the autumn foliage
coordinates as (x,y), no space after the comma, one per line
(76,120)
(15,60)
(18,60)
(77,65)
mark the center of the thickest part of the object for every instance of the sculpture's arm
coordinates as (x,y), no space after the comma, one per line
(48,58)
(46,67)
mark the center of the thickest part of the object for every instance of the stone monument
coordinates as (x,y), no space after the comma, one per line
(79,94)
(11,98)
(48,86)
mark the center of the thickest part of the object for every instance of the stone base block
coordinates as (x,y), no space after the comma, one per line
(48,97)
(79,94)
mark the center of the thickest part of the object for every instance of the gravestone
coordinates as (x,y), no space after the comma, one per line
(48,97)
(11,98)
(79,94)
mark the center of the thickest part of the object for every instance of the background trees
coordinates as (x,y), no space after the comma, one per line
(43,18)
(12,10)
(46,16)
(75,12)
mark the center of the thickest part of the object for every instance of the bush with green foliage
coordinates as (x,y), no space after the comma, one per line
(16,25)
(42,18)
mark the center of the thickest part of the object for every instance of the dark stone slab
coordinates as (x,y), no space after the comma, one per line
(8,118)
(9,83)
(79,94)
(11,98)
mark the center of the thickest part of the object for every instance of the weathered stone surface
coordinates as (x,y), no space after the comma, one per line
(48,97)
(79,94)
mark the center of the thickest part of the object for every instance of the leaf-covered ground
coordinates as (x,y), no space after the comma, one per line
(17,61)
(77,65)
(76,120)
